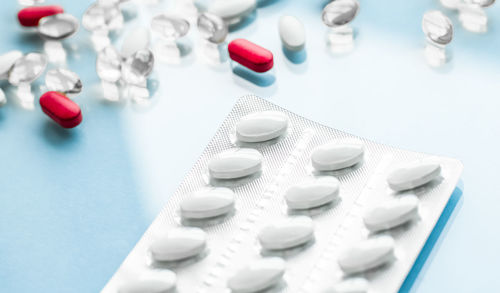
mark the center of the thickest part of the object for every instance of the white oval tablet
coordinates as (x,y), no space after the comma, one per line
(136,40)
(208,203)
(58,26)
(232,11)
(7,61)
(292,33)
(312,193)
(340,12)
(413,175)
(287,233)
(367,255)
(334,156)
(164,285)
(178,244)
(261,126)
(437,27)
(258,276)
(235,163)
(392,213)
(352,285)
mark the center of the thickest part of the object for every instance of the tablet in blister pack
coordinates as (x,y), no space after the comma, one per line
(278,203)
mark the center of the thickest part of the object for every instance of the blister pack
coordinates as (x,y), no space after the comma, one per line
(279,203)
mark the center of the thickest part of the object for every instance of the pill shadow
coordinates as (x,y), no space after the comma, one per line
(56,135)
(295,57)
(243,23)
(30,37)
(172,265)
(337,173)
(234,182)
(265,3)
(313,212)
(258,79)
(287,253)
(206,222)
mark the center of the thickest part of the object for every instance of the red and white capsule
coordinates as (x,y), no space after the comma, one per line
(30,16)
(61,109)
(250,55)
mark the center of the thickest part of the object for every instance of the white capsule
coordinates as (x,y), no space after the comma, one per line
(413,175)
(58,26)
(258,276)
(367,254)
(165,284)
(233,11)
(312,193)
(392,213)
(170,26)
(352,285)
(137,39)
(208,203)
(287,233)
(102,16)
(481,3)
(437,27)
(340,12)
(64,81)
(235,163)
(138,67)
(7,61)
(179,244)
(27,68)
(261,126)
(334,156)
(292,33)
(3,100)
(212,27)
(109,64)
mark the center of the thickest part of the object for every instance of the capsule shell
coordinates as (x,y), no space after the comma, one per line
(250,55)
(30,16)
(61,109)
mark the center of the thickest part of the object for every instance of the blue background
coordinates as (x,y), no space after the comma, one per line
(73,203)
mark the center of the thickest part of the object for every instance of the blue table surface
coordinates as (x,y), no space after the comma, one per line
(74,203)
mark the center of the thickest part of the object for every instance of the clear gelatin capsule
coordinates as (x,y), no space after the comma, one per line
(7,61)
(212,27)
(102,16)
(27,68)
(170,26)
(109,64)
(58,26)
(63,81)
(137,67)
(437,27)
(482,3)
(136,40)
(340,12)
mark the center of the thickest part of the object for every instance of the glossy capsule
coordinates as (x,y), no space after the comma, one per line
(250,55)
(61,109)
(30,16)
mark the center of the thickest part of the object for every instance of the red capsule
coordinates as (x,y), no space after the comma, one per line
(30,16)
(61,109)
(250,55)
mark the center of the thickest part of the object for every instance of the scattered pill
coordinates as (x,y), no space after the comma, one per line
(235,163)
(287,233)
(367,254)
(138,67)
(179,244)
(7,61)
(170,27)
(166,284)
(335,156)
(61,109)
(3,99)
(258,276)
(413,175)
(137,39)
(103,16)
(27,68)
(64,81)
(481,3)
(109,64)
(250,55)
(261,126)
(57,27)
(234,11)
(312,193)
(30,16)
(340,12)
(392,213)
(292,33)
(352,285)
(208,203)
(212,27)
(437,27)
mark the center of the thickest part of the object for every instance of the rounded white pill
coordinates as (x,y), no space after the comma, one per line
(136,40)
(235,163)
(232,11)
(58,26)
(413,175)
(170,26)
(367,254)
(179,244)
(340,12)
(212,27)
(334,156)
(258,276)
(7,61)
(392,213)
(164,285)
(437,27)
(287,233)
(27,68)
(312,193)
(208,203)
(292,33)
(352,285)
(261,126)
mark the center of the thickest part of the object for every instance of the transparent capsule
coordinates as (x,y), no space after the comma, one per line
(137,39)
(3,100)
(137,67)
(482,3)
(27,68)
(437,27)
(212,27)
(63,81)
(171,27)
(109,64)
(30,2)
(102,16)
(7,61)
(58,26)
(340,12)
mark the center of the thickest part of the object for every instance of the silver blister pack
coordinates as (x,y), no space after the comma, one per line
(232,240)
